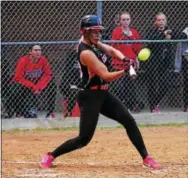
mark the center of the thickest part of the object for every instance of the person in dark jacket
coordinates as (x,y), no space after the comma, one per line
(181,66)
(160,62)
(70,81)
(185,79)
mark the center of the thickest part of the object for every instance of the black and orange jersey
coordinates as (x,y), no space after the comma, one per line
(89,78)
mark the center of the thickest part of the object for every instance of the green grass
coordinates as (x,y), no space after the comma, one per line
(164,125)
(98,128)
(40,130)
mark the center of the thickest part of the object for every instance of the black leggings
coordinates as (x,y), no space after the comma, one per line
(91,103)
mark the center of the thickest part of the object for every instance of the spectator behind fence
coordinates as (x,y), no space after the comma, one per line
(185,79)
(181,64)
(125,88)
(160,64)
(181,47)
(70,81)
(33,76)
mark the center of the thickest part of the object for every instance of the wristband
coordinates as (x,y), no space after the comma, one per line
(126,70)
(125,59)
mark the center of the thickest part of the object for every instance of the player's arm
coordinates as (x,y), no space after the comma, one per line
(109,50)
(89,59)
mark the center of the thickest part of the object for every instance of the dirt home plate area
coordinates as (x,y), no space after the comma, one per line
(109,155)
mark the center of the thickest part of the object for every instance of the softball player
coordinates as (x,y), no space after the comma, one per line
(94,97)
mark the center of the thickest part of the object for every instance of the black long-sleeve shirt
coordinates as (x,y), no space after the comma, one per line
(71,72)
(162,52)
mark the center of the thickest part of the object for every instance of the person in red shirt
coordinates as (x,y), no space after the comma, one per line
(32,77)
(124,88)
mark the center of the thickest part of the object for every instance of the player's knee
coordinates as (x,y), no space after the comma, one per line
(83,141)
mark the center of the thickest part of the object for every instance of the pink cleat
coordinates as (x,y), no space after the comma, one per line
(186,109)
(50,115)
(149,162)
(46,161)
(156,109)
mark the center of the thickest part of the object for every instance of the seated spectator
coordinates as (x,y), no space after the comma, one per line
(32,77)
(160,64)
(70,82)
(125,88)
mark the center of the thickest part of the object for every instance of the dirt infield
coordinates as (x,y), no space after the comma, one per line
(109,155)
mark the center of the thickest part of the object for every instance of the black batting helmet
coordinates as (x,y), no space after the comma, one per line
(91,22)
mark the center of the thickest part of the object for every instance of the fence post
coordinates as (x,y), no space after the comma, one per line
(99,8)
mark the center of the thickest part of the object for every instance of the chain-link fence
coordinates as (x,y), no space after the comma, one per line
(56,23)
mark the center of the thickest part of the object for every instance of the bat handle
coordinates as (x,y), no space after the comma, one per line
(132,72)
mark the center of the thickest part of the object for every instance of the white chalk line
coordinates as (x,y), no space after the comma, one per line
(50,173)
(85,163)
(38,172)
